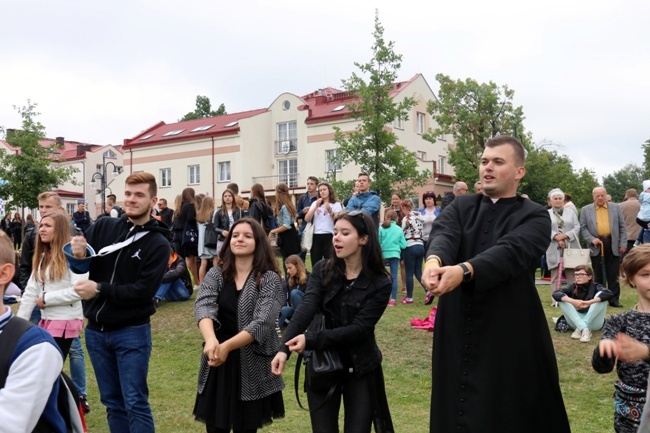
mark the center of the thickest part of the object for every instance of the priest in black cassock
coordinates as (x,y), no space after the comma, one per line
(494,367)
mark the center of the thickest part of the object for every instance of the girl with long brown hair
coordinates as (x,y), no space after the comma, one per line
(286,214)
(50,287)
(204,215)
(322,213)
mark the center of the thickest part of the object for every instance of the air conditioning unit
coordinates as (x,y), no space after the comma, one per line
(285,147)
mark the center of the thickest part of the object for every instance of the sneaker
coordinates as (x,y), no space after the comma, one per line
(586,335)
(84,404)
(156,300)
(576,334)
(554,304)
(428,299)
(391,303)
(407,300)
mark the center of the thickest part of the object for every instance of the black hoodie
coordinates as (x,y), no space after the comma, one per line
(128,278)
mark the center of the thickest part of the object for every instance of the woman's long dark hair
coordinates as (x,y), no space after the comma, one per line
(264,257)
(372,262)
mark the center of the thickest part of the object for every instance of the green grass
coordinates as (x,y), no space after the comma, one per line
(407,367)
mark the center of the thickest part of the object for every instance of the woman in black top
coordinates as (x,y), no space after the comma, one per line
(187,220)
(351,290)
(17,231)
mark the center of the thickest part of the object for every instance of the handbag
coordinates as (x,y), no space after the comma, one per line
(210,240)
(190,235)
(289,241)
(307,239)
(576,256)
(323,368)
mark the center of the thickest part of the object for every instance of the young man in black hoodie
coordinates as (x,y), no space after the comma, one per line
(118,302)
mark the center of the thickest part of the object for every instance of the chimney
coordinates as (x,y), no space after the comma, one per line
(60,141)
(83,148)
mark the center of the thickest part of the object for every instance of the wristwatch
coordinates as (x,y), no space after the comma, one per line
(467,274)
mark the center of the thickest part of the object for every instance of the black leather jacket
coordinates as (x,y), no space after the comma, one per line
(222,222)
(351,313)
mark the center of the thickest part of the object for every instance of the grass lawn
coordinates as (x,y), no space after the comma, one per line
(407,367)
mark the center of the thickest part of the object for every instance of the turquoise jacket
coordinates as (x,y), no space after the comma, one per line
(392,241)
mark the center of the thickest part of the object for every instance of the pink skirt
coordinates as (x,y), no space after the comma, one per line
(62,328)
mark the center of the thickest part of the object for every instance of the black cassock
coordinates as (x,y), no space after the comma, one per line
(494,366)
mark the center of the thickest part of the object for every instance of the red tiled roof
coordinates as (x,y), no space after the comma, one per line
(69,194)
(155,134)
(321,102)
(69,150)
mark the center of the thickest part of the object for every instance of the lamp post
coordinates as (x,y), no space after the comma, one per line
(102,177)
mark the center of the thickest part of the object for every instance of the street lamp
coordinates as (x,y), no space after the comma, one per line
(102,177)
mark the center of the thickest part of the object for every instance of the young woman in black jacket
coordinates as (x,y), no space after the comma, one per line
(227,214)
(351,290)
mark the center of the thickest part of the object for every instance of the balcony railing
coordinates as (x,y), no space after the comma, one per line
(284,147)
(269,182)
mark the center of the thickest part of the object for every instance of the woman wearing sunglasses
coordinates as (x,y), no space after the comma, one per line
(351,290)
(583,303)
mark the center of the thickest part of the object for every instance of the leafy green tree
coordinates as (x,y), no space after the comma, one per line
(30,171)
(203,109)
(473,113)
(390,166)
(630,176)
(646,159)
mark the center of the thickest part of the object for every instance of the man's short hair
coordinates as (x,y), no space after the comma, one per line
(458,185)
(162,200)
(47,194)
(234,187)
(142,177)
(631,193)
(520,151)
(364,174)
(313,178)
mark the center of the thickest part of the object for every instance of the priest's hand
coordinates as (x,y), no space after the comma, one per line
(444,280)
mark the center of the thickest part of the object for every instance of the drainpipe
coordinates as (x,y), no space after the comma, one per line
(212,170)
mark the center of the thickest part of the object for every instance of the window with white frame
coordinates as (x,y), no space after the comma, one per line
(398,123)
(224,171)
(287,138)
(332,160)
(70,208)
(422,155)
(288,172)
(193,174)
(420,120)
(165,177)
(109,154)
(442,163)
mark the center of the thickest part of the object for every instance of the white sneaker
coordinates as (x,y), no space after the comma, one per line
(586,335)
(576,334)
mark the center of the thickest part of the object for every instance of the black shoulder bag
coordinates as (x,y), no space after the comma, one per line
(323,368)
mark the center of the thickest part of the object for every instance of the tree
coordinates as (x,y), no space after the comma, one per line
(203,109)
(646,159)
(29,171)
(630,176)
(390,166)
(473,113)
(547,169)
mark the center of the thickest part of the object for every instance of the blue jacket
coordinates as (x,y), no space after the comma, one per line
(369,202)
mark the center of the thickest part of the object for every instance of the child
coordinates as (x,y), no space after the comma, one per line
(392,241)
(643,217)
(627,336)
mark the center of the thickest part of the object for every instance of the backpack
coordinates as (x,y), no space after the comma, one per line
(119,210)
(268,219)
(67,397)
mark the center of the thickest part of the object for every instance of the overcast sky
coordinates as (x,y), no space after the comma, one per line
(103,71)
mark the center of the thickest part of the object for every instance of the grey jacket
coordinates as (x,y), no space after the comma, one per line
(571,228)
(589,231)
(258,309)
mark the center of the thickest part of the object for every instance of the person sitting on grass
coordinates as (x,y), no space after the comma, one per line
(625,342)
(177,282)
(294,287)
(584,303)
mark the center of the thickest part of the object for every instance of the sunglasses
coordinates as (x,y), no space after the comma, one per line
(357,212)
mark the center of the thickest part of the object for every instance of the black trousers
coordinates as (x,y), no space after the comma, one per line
(321,247)
(612,265)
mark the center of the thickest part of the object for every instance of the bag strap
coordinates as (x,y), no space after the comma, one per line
(118,246)
(296,380)
(12,332)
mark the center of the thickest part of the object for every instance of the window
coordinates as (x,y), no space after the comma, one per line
(199,128)
(286,105)
(332,160)
(147,136)
(165,177)
(288,171)
(339,108)
(224,171)
(398,123)
(422,155)
(172,133)
(193,174)
(70,208)
(442,162)
(287,138)
(231,124)
(420,120)
(109,154)
(99,169)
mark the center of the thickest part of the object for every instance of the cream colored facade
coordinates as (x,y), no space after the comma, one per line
(287,142)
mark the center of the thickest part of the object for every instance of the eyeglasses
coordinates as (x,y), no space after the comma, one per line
(580,274)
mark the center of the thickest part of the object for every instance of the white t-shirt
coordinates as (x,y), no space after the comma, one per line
(322,220)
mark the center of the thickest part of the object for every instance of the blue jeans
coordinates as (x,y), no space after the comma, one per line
(393,264)
(413,257)
(120,359)
(173,291)
(295,298)
(78,366)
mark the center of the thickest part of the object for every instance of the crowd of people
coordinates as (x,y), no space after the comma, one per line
(477,253)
